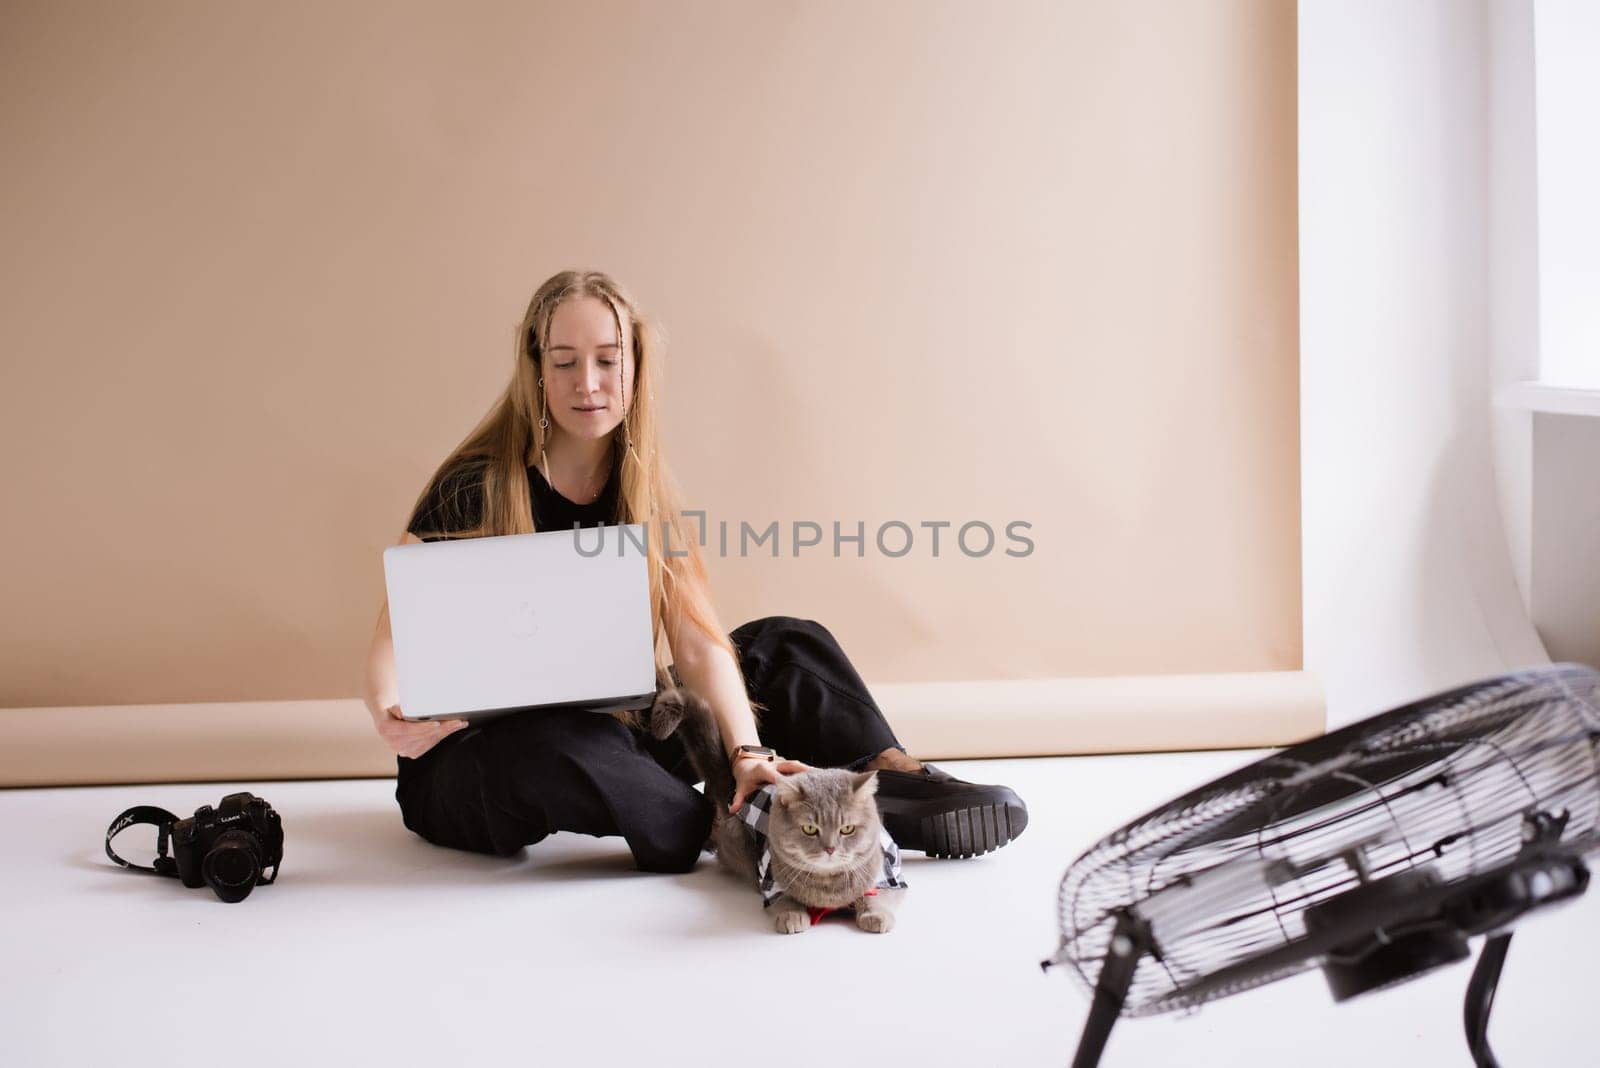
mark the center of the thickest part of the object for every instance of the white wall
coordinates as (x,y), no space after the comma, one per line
(1567,32)
(1513,206)
(1566,514)
(1544,248)
(1559,513)
(1408,582)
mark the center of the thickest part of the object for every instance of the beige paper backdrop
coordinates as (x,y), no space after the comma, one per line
(261,266)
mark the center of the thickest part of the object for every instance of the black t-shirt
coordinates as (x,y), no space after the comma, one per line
(455,503)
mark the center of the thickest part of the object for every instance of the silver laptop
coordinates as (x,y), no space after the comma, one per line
(487,626)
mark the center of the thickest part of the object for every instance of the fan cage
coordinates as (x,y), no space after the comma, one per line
(1226,873)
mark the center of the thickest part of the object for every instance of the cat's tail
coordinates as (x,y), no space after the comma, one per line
(685,713)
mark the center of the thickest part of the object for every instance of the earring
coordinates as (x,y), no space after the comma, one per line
(544,416)
(627,435)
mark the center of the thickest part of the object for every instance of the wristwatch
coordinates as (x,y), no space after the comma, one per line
(754,750)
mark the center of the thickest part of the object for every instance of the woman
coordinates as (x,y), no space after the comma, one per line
(572,441)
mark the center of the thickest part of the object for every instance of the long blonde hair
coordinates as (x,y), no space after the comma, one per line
(491,462)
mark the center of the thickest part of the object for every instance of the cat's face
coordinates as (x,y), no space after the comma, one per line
(825,819)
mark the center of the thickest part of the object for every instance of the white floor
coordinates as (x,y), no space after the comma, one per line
(379,947)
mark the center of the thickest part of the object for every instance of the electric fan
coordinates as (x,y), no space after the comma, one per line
(1373,852)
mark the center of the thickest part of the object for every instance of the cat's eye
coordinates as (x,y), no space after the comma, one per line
(848,829)
(809,829)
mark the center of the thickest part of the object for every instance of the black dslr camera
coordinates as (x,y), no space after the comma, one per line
(228,848)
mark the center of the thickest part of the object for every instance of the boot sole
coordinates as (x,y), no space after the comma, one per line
(960,833)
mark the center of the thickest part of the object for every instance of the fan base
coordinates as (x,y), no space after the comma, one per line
(1406,957)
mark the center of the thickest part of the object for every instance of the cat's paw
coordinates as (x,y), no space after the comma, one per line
(791,922)
(875,920)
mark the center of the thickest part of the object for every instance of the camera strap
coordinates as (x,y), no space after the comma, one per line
(163,821)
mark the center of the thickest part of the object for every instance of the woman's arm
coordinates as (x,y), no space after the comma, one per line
(709,669)
(382,695)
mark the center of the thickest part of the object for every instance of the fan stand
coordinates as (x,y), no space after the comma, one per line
(1539,827)
(1539,879)
(1480,998)
(1130,941)
(1416,782)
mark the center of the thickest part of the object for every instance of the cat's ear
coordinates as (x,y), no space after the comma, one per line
(864,783)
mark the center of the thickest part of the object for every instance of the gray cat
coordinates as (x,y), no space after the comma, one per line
(824,844)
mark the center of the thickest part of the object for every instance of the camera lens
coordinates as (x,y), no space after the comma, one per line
(233,866)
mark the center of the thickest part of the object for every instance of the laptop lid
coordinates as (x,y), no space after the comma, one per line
(485,626)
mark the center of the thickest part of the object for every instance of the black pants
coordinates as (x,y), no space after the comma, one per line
(509,782)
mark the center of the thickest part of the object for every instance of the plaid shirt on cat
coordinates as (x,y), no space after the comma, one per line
(755,814)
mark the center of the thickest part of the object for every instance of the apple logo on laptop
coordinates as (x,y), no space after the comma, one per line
(523,623)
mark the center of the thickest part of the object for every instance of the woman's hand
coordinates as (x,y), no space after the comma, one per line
(751,773)
(413,739)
